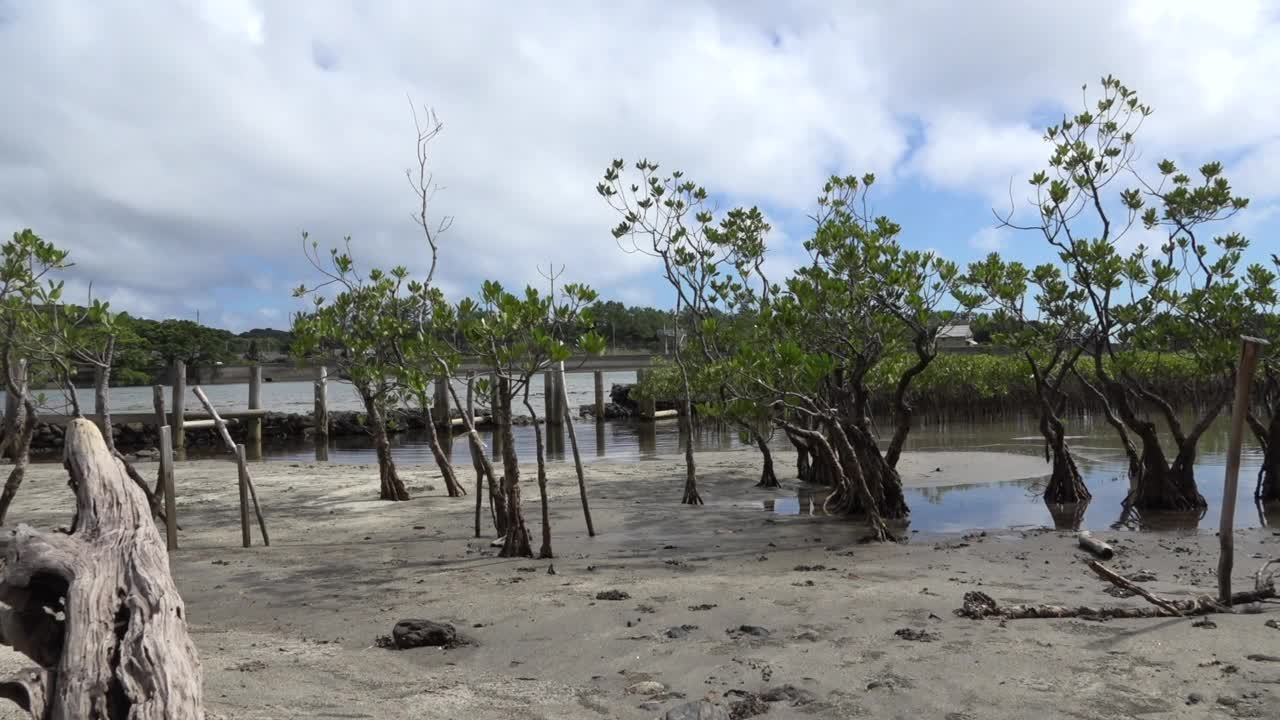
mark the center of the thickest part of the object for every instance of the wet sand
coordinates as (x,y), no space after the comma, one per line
(289,631)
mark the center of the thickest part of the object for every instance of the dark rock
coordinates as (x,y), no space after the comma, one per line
(679,633)
(1205,624)
(1195,698)
(752,706)
(612,595)
(789,693)
(700,608)
(1258,657)
(916,635)
(1273,624)
(423,633)
(748,631)
(701,710)
(650,705)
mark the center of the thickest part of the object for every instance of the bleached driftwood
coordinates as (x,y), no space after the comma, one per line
(1095,546)
(96,609)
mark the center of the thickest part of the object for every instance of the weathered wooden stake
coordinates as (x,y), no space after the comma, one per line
(157,403)
(255,403)
(166,485)
(549,411)
(440,406)
(1239,413)
(238,451)
(599,378)
(321,416)
(246,536)
(179,404)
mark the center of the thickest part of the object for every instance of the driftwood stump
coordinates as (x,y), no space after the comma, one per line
(97,609)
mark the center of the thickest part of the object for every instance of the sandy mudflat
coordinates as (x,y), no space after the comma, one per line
(288,631)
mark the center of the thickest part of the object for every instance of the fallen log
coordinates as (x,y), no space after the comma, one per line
(978,605)
(97,609)
(1095,546)
(1125,583)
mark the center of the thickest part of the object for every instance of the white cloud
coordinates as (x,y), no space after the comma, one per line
(191,156)
(968,153)
(990,239)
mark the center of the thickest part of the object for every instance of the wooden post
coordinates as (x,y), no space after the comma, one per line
(179,408)
(255,403)
(246,537)
(321,416)
(1239,413)
(549,397)
(440,407)
(166,484)
(238,451)
(599,378)
(157,402)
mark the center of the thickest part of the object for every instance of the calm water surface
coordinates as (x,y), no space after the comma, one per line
(939,509)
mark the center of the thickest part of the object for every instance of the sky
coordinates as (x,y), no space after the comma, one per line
(179,149)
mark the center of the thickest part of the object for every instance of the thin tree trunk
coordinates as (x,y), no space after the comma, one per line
(477,453)
(545,550)
(123,649)
(1066,486)
(1268,436)
(691,496)
(804,469)
(24,429)
(442,460)
(768,479)
(480,461)
(391,487)
(902,408)
(1130,450)
(102,395)
(516,542)
(850,479)
(1161,485)
(577,458)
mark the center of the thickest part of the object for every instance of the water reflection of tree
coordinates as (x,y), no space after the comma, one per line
(1157,520)
(1068,516)
(935,494)
(1268,514)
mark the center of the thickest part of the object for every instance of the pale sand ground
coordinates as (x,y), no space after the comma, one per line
(288,631)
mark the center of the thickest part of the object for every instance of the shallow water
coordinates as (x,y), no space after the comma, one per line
(298,397)
(937,509)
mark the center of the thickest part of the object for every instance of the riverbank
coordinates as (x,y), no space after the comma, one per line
(290,631)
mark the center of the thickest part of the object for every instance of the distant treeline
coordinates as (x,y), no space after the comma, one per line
(146,348)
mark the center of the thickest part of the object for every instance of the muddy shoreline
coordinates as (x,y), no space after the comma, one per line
(289,631)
